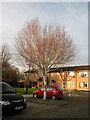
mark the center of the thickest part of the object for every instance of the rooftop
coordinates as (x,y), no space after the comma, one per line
(68,68)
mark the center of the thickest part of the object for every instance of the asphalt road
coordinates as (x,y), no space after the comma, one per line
(77,107)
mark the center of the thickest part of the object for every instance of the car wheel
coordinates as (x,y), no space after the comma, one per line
(35,95)
(53,97)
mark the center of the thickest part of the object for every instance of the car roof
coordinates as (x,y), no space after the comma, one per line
(3,82)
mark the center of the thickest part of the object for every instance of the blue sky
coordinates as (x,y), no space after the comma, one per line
(73,15)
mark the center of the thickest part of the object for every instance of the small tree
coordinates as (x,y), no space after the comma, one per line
(5,56)
(44,47)
(9,72)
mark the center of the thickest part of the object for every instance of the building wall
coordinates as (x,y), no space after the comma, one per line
(72,82)
(89,80)
(57,77)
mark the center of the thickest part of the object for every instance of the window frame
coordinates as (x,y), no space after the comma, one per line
(57,73)
(80,72)
(70,84)
(83,84)
(72,73)
(80,86)
(52,74)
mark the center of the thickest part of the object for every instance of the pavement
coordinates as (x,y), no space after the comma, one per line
(58,102)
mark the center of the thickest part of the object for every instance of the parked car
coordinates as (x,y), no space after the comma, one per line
(11,100)
(53,92)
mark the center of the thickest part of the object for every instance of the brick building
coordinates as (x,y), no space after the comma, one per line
(71,78)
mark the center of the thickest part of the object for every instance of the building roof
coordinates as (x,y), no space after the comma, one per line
(70,68)
(31,71)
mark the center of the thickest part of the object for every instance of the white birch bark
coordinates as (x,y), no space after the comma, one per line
(45,84)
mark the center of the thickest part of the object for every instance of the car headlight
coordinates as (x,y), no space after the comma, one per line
(4,102)
(24,100)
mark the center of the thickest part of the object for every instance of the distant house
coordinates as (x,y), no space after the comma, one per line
(34,79)
(78,77)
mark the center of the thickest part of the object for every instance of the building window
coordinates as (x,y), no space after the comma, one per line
(57,73)
(83,84)
(70,84)
(52,74)
(83,74)
(71,74)
(62,73)
(64,85)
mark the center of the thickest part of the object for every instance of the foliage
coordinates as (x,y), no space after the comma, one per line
(10,74)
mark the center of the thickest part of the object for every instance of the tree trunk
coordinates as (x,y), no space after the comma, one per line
(27,85)
(65,84)
(26,89)
(45,83)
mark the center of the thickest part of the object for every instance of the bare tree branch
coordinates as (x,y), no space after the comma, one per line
(44,47)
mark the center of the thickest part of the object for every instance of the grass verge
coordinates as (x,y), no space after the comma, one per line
(23,90)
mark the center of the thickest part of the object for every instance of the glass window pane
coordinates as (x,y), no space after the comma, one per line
(69,84)
(58,87)
(71,74)
(81,85)
(83,74)
(85,84)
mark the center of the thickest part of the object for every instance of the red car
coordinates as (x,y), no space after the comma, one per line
(53,92)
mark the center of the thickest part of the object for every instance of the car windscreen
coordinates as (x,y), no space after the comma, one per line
(7,89)
(58,87)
